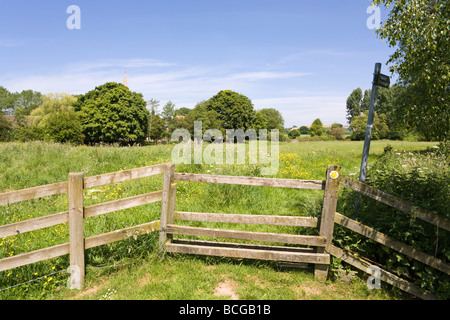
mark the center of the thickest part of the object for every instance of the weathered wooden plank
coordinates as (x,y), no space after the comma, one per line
(124,175)
(121,204)
(384,276)
(295,221)
(122,234)
(243,245)
(392,243)
(165,203)
(252,181)
(249,253)
(76,231)
(247,235)
(33,224)
(33,193)
(396,203)
(327,219)
(33,257)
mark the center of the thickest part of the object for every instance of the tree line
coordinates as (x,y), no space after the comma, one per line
(111,113)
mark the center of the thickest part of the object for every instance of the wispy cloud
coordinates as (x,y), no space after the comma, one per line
(316,53)
(186,85)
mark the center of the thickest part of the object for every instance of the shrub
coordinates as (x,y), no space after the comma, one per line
(293,134)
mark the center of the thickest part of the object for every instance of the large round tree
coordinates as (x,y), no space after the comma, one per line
(235,110)
(112,113)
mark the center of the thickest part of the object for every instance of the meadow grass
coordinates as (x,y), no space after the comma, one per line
(24,165)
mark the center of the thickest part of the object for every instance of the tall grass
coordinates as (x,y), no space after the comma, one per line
(25,165)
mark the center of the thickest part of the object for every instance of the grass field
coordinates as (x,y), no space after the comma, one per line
(144,276)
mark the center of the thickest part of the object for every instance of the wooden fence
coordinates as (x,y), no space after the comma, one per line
(318,255)
(362,263)
(75,217)
(317,251)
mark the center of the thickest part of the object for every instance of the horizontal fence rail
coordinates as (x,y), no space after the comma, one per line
(125,175)
(247,235)
(33,193)
(252,181)
(294,221)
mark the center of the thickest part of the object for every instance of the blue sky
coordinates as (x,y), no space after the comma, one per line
(301,57)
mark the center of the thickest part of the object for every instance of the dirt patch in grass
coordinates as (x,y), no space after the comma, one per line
(226,288)
(86,292)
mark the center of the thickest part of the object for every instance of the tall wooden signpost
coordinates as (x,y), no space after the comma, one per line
(379,80)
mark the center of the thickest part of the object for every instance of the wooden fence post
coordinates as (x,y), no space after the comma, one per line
(171,209)
(327,220)
(169,172)
(76,237)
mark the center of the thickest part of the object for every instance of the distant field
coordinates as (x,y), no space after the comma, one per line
(33,164)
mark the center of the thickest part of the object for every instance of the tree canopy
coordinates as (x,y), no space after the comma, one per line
(234,109)
(111,113)
(316,128)
(419,30)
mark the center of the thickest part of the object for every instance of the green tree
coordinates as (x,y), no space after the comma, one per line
(304,130)
(153,106)
(169,116)
(274,118)
(111,113)
(419,32)
(26,102)
(56,120)
(182,111)
(234,110)
(6,128)
(210,119)
(156,123)
(380,129)
(316,128)
(260,121)
(7,101)
(354,104)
